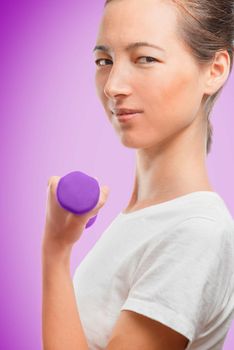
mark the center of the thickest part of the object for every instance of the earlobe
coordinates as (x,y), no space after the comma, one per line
(218,72)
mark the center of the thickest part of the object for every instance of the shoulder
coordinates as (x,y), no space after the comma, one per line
(204,236)
(190,232)
(205,228)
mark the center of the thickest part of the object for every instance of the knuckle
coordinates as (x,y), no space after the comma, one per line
(53,180)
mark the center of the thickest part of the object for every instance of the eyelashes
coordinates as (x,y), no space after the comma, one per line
(101,59)
(98,61)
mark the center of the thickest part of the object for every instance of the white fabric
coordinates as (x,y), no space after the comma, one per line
(172,262)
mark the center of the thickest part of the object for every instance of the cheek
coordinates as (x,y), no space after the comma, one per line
(100,81)
(99,85)
(174,96)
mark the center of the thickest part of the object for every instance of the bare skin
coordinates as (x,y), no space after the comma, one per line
(170,135)
(61,325)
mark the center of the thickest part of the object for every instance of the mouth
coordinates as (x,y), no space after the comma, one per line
(123,117)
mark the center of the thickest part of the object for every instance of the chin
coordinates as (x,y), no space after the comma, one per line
(133,142)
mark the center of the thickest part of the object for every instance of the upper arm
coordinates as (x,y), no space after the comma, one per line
(135,331)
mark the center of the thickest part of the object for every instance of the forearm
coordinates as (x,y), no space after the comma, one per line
(61,326)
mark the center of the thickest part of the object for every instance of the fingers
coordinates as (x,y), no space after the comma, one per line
(104,193)
(53,181)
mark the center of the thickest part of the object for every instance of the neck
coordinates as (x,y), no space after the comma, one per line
(172,170)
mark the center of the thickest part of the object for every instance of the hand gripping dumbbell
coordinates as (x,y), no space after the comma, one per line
(78,193)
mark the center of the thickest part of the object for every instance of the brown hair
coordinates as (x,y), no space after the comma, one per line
(206,27)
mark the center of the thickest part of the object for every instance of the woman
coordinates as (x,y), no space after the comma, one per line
(161,275)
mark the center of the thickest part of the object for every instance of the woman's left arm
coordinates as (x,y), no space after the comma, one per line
(61,325)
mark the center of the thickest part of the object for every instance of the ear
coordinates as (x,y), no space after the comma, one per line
(217,73)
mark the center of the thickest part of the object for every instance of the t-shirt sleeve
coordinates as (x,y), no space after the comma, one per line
(182,276)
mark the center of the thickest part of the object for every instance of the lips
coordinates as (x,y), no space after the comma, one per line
(125,111)
(127,116)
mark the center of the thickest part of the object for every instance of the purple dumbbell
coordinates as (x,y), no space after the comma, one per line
(78,193)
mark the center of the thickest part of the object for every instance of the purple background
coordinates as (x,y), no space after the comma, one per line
(52,123)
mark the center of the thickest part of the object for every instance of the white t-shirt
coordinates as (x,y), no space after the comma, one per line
(172,262)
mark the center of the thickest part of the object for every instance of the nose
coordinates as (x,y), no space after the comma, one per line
(118,82)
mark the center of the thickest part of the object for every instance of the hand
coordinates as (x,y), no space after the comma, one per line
(62,227)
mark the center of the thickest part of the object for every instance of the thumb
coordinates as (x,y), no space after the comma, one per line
(104,193)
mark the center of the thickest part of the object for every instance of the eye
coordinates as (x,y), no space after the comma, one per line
(98,62)
(150,59)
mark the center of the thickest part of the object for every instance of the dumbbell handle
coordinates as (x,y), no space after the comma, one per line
(78,193)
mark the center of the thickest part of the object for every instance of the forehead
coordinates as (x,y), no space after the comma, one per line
(127,21)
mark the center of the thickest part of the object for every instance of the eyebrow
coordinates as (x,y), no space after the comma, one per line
(130,46)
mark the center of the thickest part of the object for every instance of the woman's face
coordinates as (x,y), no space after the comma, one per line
(165,82)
